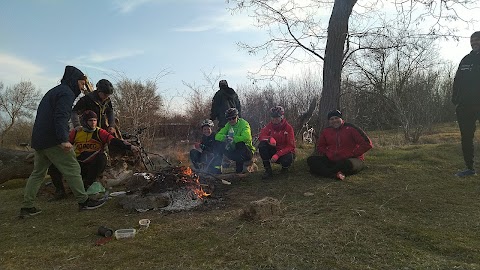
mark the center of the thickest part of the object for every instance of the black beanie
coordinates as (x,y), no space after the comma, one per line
(88,114)
(334,113)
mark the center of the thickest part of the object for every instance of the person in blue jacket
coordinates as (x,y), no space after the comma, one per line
(50,141)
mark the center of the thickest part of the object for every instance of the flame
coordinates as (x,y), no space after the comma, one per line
(193,182)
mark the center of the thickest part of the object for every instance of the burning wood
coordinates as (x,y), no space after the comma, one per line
(178,188)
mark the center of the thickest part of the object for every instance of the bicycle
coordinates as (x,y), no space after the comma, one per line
(307,135)
(143,154)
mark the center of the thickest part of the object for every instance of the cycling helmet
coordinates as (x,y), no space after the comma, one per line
(230,113)
(223,83)
(277,111)
(207,122)
(105,86)
(334,113)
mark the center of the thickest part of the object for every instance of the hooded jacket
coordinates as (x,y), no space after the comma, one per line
(283,135)
(51,123)
(466,85)
(347,141)
(224,99)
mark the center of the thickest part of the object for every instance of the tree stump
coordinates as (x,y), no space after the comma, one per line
(15,164)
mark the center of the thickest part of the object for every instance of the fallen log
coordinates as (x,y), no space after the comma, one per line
(15,164)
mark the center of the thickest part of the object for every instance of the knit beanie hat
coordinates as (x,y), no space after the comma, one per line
(334,113)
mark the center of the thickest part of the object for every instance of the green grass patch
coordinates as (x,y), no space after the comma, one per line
(405,211)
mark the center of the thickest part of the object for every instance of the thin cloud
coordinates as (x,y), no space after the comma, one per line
(14,70)
(225,23)
(124,6)
(99,58)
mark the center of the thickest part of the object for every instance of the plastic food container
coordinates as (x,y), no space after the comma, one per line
(125,233)
(144,223)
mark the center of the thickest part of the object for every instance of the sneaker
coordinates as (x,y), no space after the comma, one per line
(90,204)
(340,176)
(466,172)
(28,212)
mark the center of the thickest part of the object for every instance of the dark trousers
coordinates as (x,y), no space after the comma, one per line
(321,165)
(206,158)
(90,172)
(467,118)
(239,154)
(266,153)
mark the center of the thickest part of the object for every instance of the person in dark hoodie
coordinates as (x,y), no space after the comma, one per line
(466,96)
(50,141)
(204,151)
(224,99)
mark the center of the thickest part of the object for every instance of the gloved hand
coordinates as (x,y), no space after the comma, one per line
(274,158)
(272,142)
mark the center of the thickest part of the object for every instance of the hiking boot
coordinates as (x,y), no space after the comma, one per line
(466,172)
(267,174)
(58,196)
(340,176)
(90,204)
(28,212)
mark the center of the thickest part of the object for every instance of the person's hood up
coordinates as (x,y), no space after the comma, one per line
(228,91)
(71,77)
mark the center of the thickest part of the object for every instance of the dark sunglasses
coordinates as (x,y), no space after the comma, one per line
(231,118)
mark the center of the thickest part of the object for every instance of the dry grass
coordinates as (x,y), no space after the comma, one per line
(406,211)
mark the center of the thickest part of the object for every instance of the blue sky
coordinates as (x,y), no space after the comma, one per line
(137,39)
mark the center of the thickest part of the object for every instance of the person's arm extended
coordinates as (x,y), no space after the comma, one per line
(222,133)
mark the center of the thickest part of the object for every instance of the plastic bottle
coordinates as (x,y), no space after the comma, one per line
(230,134)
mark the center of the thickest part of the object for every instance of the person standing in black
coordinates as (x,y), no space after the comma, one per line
(466,96)
(224,99)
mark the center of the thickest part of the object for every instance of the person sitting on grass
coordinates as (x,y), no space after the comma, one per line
(237,138)
(89,141)
(204,150)
(341,149)
(277,142)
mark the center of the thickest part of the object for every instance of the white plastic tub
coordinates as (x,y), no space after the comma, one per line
(125,233)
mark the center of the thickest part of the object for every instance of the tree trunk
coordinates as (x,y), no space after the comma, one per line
(15,164)
(332,66)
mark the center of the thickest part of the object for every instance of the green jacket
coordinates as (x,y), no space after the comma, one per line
(241,132)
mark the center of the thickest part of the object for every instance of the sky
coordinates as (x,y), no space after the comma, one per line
(169,41)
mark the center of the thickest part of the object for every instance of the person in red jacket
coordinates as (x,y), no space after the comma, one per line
(277,142)
(341,147)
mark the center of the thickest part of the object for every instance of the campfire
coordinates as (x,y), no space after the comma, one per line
(172,188)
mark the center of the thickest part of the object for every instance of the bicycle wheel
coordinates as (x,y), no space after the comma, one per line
(147,162)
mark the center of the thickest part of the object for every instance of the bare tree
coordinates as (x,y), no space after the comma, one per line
(137,104)
(294,26)
(16,103)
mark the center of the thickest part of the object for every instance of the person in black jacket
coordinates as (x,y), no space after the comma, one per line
(204,151)
(224,99)
(99,102)
(51,144)
(466,96)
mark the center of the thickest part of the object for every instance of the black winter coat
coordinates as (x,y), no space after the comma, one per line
(224,99)
(466,85)
(51,123)
(104,110)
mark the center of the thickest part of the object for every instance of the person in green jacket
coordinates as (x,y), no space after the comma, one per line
(237,139)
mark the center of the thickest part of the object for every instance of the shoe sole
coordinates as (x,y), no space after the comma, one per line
(29,215)
(92,207)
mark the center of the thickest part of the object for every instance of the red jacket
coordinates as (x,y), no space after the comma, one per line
(283,134)
(348,141)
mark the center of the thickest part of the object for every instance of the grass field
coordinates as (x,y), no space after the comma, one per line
(405,211)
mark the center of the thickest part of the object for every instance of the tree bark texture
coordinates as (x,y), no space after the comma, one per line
(15,164)
(334,50)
